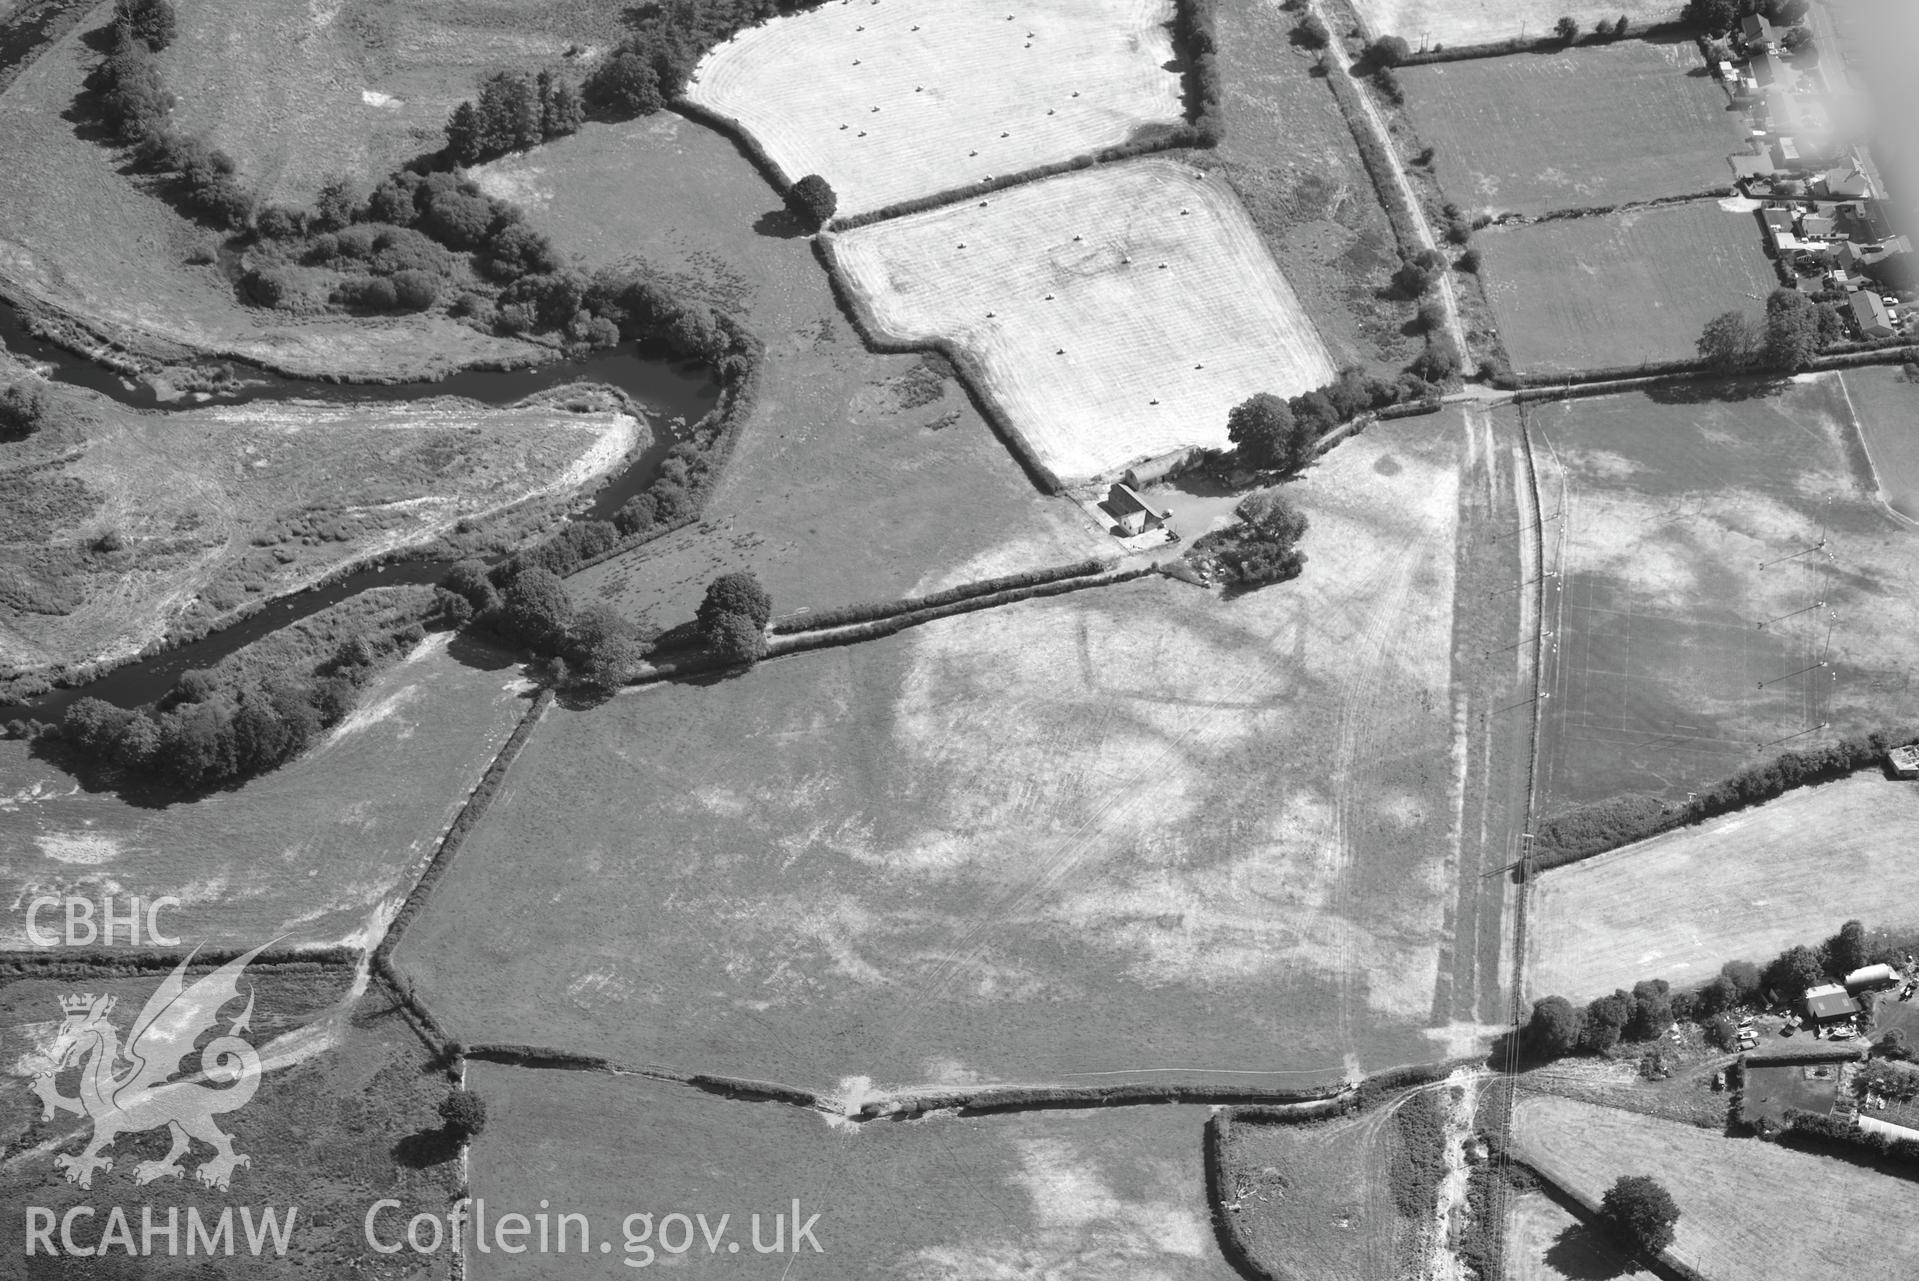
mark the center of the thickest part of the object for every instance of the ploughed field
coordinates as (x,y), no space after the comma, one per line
(1072,1195)
(1744,1205)
(1699,621)
(1425,23)
(321,850)
(1529,133)
(1113,314)
(1623,288)
(1139,833)
(895,100)
(1742,887)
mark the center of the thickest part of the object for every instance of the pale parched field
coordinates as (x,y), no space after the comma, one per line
(1546,1243)
(1428,22)
(905,98)
(1745,886)
(1115,314)
(1137,833)
(215,508)
(1744,1206)
(1314,1202)
(1066,1195)
(321,850)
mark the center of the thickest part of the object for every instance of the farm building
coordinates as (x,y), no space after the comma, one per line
(1759,35)
(1869,309)
(1764,73)
(1828,1005)
(1843,183)
(1133,513)
(1867,977)
(1904,761)
(1778,227)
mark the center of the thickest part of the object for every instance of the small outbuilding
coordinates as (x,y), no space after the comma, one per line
(1133,514)
(1868,977)
(1904,761)
(1828,1005)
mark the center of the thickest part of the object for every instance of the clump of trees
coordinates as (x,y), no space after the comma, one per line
(150,22)
(1717,17)
(523,600)
(23,409)
(651,65)
(812,200)
(1791,333)
(1641,1211)
(515,111)
(210,729)
(1416,275)
(733,616)
(463,1114)
(1263,546)
(1270,432)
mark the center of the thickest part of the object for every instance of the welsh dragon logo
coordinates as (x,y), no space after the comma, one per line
(129,1089)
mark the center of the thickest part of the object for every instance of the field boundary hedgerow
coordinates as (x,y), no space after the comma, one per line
(1599,827)
(70,963)
(844,615)
(1377,158)
(1538,44)
(1624,206)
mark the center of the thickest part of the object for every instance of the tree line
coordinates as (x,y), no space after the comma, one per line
(1793,329)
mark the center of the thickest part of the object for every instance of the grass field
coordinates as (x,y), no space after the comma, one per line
(344,1115)
(78,235)
(1140,832)
(1291,159)
(1429,22)
(1530,133)
(299,490)
(1546,1243)
(1672,505)
(1115,314)
(1076,1196)
(858,476)
(1744,1206)
(1770,1090)
(902,99)
(1314,1202)
(322,849)
(299,92)
(1587,293)
(1741,887)
(1886,404)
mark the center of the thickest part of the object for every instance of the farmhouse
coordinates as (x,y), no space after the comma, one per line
(1829,1005)
(1133,514)
(1869,310)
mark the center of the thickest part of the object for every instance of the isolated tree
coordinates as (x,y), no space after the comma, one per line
(1642,1212)
(463,1113)
(734,638)
(1555,1027)
(1792,330)
(1793,971)
(1845,951)
(1266,433)
(1729,341)
(23,409)
(1390,51)
(151,22)
(738,593)
(812,201)
(1566,29)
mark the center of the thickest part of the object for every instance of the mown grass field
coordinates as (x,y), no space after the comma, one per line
(859,476)
(1456,22)
(1114,314)
(1885,403)
(1530,133)
(1141,832)
(1073,1195)
(77,234)
(1743,887)
(1290,157)
(204,511)
(344,1116)
(912,97)
(322,850)
(1547,1243)
(1744,1205)
(1314,1202)
(1621,289)
(1690,518)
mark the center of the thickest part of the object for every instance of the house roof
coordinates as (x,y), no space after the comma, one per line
(1762,70)
(1868,308)
(1830,1003)
(1755,27)
(1122,501)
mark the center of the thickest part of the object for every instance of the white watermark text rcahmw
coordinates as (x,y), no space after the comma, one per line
(72,1233)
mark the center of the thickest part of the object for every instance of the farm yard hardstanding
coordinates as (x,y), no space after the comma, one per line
(1114,315)
(910,97)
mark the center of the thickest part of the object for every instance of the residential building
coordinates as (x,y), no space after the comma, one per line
(1870,311)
